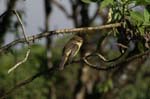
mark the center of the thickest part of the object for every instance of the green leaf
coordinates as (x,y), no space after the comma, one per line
(141,29)
(94,0)
(88,1)
(142,2)
(137,18)
(140,47)
(146,17)
(105,3)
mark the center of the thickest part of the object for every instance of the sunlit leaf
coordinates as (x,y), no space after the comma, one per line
(105,3)
(89,1)
(140,47)
(142,2)
(137,18)
(141,29)
(146,17)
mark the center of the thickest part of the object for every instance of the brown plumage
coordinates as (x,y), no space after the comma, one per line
(70,50)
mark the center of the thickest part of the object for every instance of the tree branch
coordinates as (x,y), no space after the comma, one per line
(118,63)
(22,26)
(56,32)
(20,62)
(25,37)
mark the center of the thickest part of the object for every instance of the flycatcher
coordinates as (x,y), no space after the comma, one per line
(70,50)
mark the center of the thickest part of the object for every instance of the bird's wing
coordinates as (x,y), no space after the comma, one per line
(74,51)
(66,55)
(63,62)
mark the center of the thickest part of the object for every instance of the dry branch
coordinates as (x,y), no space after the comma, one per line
(118,63)
(25,37)
(20,62)
(61,31)
(22,26)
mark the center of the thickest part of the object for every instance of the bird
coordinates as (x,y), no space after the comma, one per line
(70,50)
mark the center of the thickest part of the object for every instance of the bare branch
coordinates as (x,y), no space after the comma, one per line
(21,23)
(21,62)
(25,37)
(118,63)
(19,19)
(122,45)
(61,31)
(3,14)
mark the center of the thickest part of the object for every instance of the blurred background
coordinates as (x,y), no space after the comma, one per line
(77,81)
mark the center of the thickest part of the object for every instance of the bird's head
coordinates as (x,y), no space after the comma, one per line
(78,38)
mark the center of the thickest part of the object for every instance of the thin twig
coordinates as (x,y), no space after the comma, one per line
(116,64)
(122,45)
(20,62)
(3,14)
(22,26)
(25,37)
(87,29)
(20,21)
(61,31)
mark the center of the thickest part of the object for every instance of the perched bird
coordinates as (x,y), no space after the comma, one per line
(70,50)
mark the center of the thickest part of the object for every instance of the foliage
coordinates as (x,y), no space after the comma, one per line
(130,80)
(136,25)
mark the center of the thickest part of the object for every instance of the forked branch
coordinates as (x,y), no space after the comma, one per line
(61,31)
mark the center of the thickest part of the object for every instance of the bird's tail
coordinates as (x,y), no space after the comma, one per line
(63,62)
